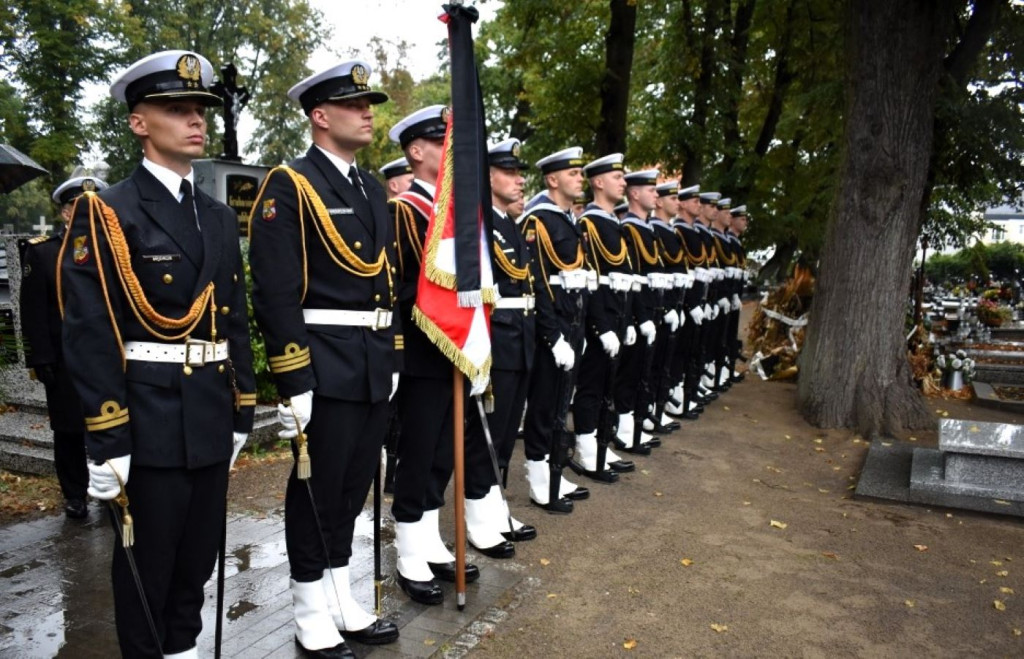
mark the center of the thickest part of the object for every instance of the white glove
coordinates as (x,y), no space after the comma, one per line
(394,385)
(477,387)
(681,315)
(300,406)
(736,304)
(564,356)
(103,483)
(724,305)
(240,438)
(630,337)
(649,331)
(709,311)
(610,342)
(697,314)
(672,320)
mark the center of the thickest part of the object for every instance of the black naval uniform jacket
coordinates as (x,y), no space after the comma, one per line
(643,249)
(41,327)
(421,357)
(157,412)
(696,257)
(342,362)
(605,244)
(556,307)
(673,258)
(513,331)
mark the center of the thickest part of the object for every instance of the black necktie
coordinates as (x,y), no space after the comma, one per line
(188,202)
(357,183)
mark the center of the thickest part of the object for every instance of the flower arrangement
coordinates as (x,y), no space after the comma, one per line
(991,313)
(957,369)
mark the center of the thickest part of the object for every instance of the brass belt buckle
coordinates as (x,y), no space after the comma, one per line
(190,346)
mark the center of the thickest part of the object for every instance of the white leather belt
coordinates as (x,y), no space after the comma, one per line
(376,319)
(192,353)
(702,275)
(524,302)
(570,280)
(659,280)
(617,281)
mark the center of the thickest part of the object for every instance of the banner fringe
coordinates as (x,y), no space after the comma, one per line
(449,349)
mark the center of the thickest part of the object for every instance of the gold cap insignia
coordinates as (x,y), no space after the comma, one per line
(89,185)
(189,69)
(445,113)
(515,149)
(359,74)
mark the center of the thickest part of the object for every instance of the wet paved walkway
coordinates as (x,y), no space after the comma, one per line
(55,597)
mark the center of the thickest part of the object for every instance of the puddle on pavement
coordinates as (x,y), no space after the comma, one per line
(240,608)
(256,556)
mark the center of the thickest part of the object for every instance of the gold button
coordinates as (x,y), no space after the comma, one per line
(225,311)
(526,312)
(394,269)
(357,245)
(395,244)
(168,278)
(220,369)
(376,298)
(234,277)
(188,370)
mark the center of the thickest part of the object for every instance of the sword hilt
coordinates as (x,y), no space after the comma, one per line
(127,523)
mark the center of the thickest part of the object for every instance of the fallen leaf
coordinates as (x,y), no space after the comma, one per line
(819,449)
(823,490)
(629,644)
(830,554)
(983,581)
(886,443)
(836,468)
(657,494)
(772,469)
(788,437)
(1016,632)
(921,547)
(999,606)
(945,414)
(645,472)
(1005,590)
(1003,573)
(746,503)
(1000,502)
(429,641)
(686,562)
(818,440)
(913,439)
(910,603)
(996,563)
(777,524)
(949,514)
(719,628)
(545,561)
(552,596)
(725,407)
(974,429)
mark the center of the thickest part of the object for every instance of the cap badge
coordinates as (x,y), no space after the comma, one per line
(360,75)
(189,70)
(445,112)
(515,149)
(89,185)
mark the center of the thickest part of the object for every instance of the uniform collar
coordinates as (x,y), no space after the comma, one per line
(168,178)
(338,162)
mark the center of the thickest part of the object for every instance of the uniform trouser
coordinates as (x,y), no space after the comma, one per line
(541,406)
(633,361)
(425,449)
(509,389)
(344,440)
(733,340)
(688,353)
(686,335)
(178,517)
(593,376)
(664,349)
(69,462)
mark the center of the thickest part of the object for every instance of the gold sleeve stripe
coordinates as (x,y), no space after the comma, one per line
(111,415)
(399,342)
(293,359)
(247,400)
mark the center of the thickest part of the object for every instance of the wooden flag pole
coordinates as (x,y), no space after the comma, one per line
(458,424)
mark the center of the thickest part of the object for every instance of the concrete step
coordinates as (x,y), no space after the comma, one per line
(26,459)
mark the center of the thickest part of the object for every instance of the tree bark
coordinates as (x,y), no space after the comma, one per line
(618,51)
(853,368)
(693,153)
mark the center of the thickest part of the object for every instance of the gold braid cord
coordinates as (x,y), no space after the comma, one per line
(153,321)
(404,216)
(666,255)
(641,249)
(549,249)
(339,251)
(696,261)
(727,260)
(507,266)
(598,247)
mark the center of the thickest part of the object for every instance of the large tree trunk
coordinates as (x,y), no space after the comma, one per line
(853,369)
(618,49)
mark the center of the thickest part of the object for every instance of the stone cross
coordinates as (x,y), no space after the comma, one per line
(43,225)
(235,98)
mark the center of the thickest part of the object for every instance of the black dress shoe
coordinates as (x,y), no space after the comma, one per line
(424,592)
(641,449)
(380,632)
(501,550)
(559,507)
(622,466)
(653,442)
(606,476)
(579,494)
(339,651)
(673,426)
(76,509)
(736,379)
(446,571)
(691,416)
(522,534)
(656,427)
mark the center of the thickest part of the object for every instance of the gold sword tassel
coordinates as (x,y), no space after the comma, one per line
(127,523)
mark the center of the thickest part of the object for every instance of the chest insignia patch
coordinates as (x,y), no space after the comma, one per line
(269,210)
(81,250)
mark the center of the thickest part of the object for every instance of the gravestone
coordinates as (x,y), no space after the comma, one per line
(974,458)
